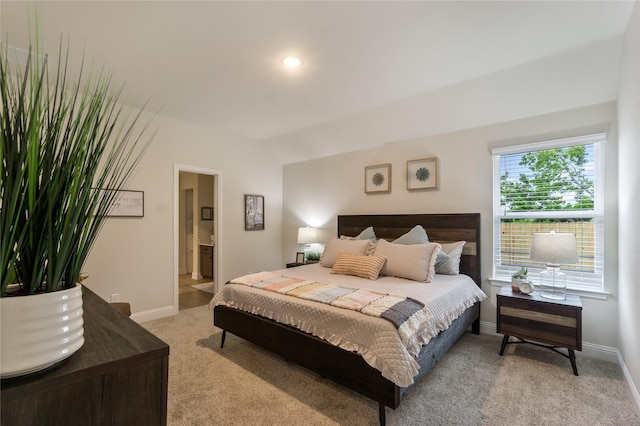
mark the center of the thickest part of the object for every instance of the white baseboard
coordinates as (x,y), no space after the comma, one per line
(154,314)
(590,350)
(632,387)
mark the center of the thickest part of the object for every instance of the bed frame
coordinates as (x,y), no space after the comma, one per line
(348,368)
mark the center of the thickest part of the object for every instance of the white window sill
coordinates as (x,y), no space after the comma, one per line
(589,294)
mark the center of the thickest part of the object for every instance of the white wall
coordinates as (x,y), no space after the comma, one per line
(316,191)
(134,256)
(629,182)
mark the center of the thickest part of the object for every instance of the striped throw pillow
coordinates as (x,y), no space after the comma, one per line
(360,266)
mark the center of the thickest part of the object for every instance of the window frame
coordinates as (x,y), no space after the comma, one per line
(586,282)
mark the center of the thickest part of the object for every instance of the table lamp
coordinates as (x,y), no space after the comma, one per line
(307,236)
(553,249)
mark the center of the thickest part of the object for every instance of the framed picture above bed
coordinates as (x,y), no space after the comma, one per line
(253,212)
(422,174)
(377,179)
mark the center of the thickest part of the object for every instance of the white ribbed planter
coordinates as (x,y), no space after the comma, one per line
(39,330)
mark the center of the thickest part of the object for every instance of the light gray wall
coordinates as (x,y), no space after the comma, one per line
(134,257)
(318,190)
(629,182)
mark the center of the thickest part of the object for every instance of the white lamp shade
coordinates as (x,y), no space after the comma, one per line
(307,235)
(554,248)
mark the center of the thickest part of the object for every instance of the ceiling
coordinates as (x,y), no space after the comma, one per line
(218,64)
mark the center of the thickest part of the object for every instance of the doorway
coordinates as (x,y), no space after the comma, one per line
(197,222)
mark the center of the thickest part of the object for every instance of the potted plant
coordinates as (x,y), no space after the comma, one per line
(518,277)
(66,148)
(313,257)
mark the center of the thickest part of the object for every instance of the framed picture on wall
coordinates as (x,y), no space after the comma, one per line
(206,213)
(422,174)
(253,212)
(127,204)
(377,179)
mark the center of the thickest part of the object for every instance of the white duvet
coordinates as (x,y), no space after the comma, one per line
(375,339)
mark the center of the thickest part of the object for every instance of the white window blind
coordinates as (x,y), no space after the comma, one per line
(550,186)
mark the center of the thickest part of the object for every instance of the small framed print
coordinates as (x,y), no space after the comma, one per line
(253,212)
(300,257)
(377,179)
(206,213)
(126,203)
(422,174)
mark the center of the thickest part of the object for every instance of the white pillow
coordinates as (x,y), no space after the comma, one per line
(451,265)
(366,234)
(335,246)
(414,262)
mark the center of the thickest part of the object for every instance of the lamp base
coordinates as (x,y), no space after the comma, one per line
(555,294)
(553,283)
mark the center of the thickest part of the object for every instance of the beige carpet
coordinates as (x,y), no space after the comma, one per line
(472,385)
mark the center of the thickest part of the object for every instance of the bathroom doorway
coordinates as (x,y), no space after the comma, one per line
(197,221)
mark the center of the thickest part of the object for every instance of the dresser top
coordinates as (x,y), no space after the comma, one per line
(112,342)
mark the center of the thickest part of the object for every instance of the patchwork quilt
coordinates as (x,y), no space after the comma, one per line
(394,308)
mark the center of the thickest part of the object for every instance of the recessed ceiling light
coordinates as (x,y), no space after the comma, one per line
(292,62)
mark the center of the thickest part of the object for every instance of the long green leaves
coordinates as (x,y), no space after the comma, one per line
(62,144)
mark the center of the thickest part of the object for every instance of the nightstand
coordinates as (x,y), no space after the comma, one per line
(553,323)
(294,264)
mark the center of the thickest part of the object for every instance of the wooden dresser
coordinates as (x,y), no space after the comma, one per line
(118,377)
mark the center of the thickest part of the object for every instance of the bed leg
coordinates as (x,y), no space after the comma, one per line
(381,414)
(475,326)
(224,335)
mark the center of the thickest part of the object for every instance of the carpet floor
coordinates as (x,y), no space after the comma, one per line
(472,385)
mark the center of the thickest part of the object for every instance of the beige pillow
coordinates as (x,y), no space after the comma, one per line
(360,266)
(414,262)
(335,246)
(451,266)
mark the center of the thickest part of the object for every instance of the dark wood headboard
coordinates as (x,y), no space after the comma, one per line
(441,228)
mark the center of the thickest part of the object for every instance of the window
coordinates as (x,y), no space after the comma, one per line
(550,186)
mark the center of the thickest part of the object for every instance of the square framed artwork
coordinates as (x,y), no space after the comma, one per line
(377,179)
(422,174)
(253,212)
(206,213)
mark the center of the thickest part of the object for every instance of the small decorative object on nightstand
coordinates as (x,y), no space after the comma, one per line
(312,257)
(553,323)
(553,249)
(519,277)
(525,287)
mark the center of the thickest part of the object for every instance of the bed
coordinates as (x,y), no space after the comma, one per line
(348,367)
